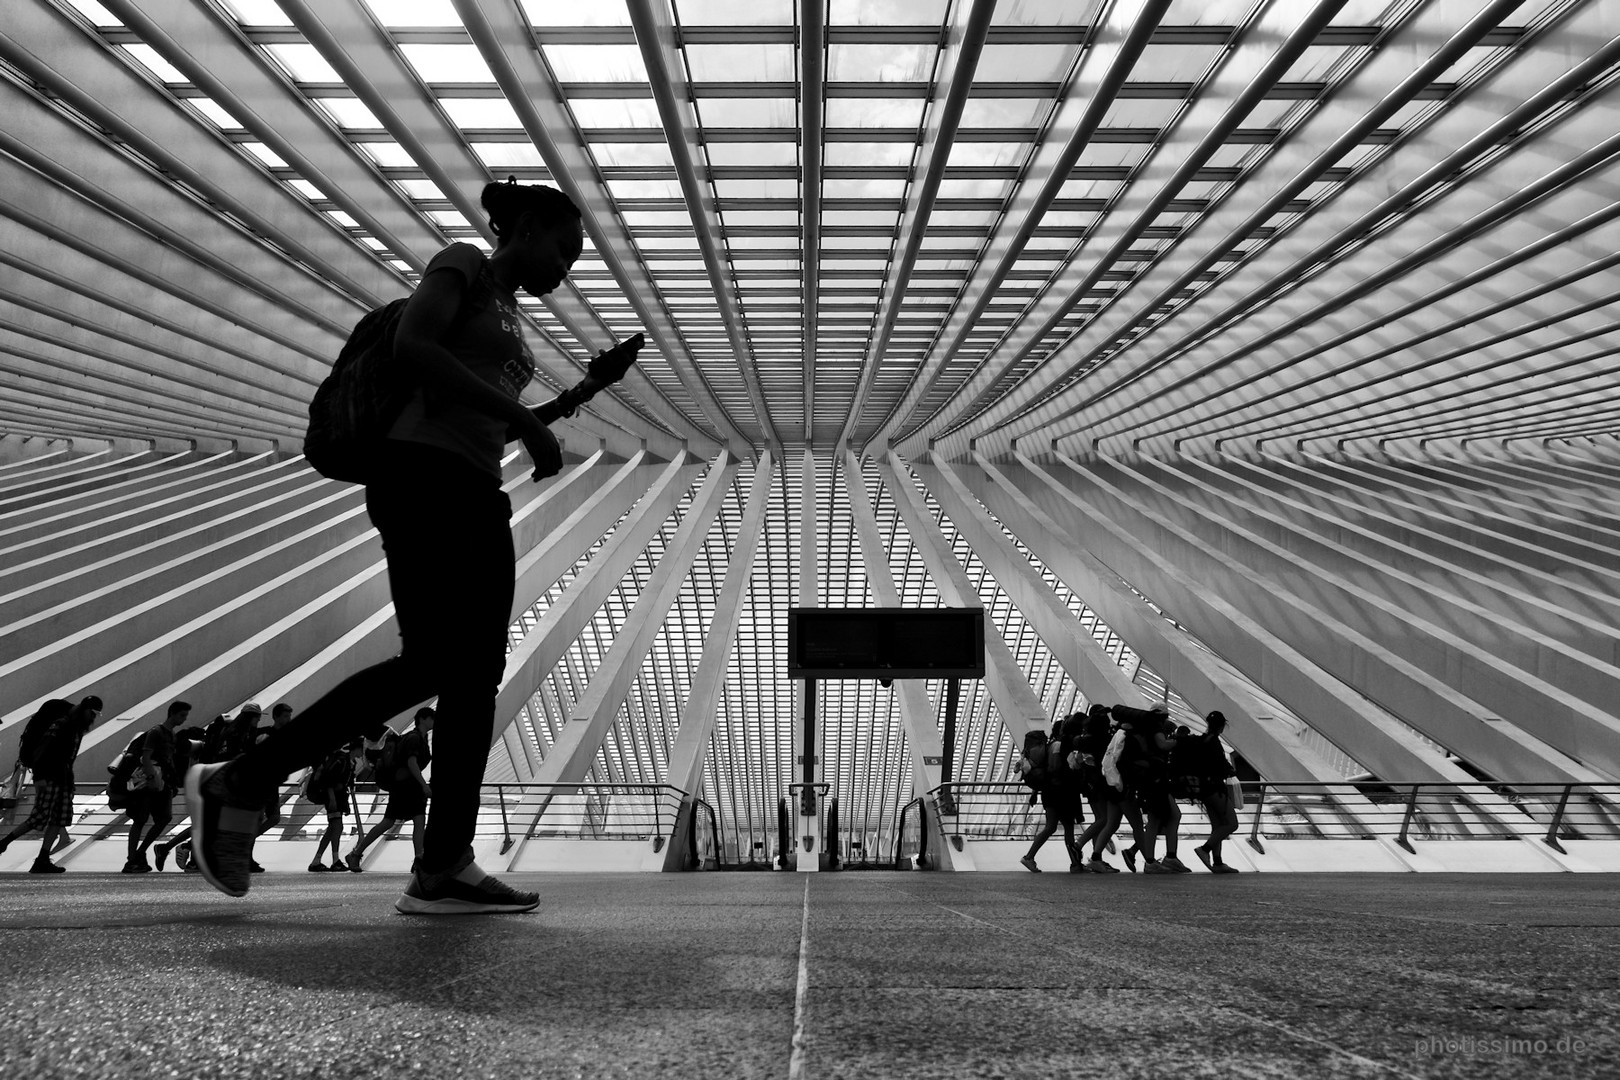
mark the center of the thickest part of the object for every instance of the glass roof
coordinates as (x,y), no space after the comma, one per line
(868,226)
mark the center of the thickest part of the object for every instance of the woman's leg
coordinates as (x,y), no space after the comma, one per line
(418,828)
(1169,825)
(138,816)
(1111,815)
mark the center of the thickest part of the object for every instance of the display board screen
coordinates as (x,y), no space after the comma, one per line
(885,643)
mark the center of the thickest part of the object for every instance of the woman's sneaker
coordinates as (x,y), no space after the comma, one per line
(446,894)
(1098,866)
(1170,862)
(224,822)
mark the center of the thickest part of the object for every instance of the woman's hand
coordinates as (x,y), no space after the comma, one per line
(543,449)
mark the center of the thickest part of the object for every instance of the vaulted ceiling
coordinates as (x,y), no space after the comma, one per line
(1068,229)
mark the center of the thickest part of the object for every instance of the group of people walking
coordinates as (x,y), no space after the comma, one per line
(145,777)
(1130,765)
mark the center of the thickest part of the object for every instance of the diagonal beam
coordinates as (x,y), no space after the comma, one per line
(812,105)
(965,36)
(572,755)
(923,740)
(1117,45)
(361,51)
(507,45)
(1085,661)
(654,22)
(1017,704)
(1245,76)
(701,709)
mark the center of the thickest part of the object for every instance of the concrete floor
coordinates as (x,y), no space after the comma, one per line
(829,975)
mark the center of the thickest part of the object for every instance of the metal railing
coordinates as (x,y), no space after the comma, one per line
(1404,812)
(509,812)
(911,836)
(706,844)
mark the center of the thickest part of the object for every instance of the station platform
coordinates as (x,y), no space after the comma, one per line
(783,975)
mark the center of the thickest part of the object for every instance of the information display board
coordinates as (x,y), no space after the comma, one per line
(885,643)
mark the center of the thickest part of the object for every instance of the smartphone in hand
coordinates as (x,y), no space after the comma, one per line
(610,366)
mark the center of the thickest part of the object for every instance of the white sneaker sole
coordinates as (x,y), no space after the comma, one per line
(196,776)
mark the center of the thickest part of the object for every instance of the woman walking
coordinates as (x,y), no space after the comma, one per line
(435,496)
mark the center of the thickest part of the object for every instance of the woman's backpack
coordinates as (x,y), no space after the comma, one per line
(121,769)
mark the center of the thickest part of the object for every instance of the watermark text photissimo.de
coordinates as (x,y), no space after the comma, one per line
(1501,1045)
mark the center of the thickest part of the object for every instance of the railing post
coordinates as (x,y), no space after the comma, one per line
(506,824)
(1254,830)
(1406,822)
(1558,820)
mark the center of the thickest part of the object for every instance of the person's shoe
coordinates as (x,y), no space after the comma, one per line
(1151,867)
(338,868)
(318,867)
(1098,866)
(224,823)
(130,867)
(1222,868)
(255,868)
(160,855)
(446,894)
(1029,864)
(1172,863)
(352,861)
(1078,866)
(1203,857)
(1130,858)
(45,866)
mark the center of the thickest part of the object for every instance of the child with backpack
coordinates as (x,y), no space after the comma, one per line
(1208,762)
(1144,767)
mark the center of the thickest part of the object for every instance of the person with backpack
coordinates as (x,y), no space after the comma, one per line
(1211,767)
(1087,748)
(328,785)
(1060,799)
(49,746)
(151,781)
(1144,766)
(399,772)
(434,491)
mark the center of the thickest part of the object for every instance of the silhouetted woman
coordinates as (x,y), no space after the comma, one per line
(436,498)
(53,781)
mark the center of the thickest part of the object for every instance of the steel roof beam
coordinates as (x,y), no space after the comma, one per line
(654,22)
(505,41)
(959,58)
(812,75)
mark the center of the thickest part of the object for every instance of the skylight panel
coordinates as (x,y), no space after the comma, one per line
(388,155)
(486,113)
(1209,12)
(735,12)
(303,62)
(983,112)
(1024,62)
(421,189)
(256,12)
(215,113)
(349,113)
(633,155)
(887,12)
(842,112)
(596,63)
(307,189)
(414,12)
(971,154)
(1315,63)
(761,154)
(447,63)
(756,112)
(754,188)
(749,62)
(508,155)
(97,14)
(881,63)
(265,154)
(868,153)
(973,188)
(645,189)
(148,58)
(616,112)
